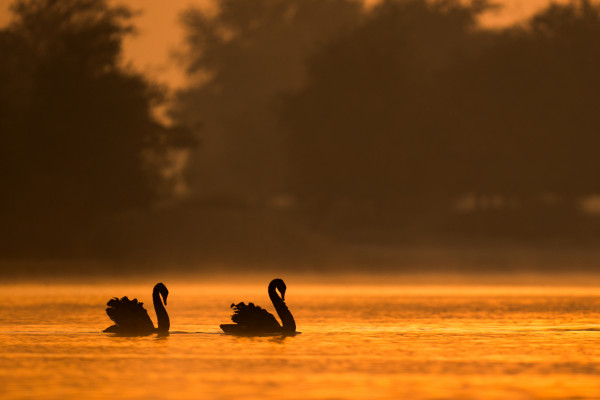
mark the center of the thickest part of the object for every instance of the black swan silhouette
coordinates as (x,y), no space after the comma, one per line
(253,320)
(131,318)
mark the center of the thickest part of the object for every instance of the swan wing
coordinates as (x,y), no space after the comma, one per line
(129,315)
(254,318)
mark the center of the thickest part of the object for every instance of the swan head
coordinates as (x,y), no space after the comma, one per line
(279,285)
(162,289)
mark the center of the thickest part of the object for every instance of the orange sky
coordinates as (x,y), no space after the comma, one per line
(159,32)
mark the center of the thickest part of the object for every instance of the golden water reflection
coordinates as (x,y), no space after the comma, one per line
(357,342)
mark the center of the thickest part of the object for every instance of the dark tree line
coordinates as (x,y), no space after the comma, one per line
(419,107)
(532,106)
(385,115)
(79,141)
(365,129)
(241,59)
(395,113)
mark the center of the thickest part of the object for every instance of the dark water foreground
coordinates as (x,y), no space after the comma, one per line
(357,342)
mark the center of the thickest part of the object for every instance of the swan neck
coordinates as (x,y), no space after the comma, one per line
(162,317)
(288,323)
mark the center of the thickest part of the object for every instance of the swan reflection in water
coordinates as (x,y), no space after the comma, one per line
(251,320)
(131,318)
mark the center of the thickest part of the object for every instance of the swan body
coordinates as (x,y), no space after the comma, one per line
(252,320)
(131,318)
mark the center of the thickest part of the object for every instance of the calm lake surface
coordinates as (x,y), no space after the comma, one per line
(357,342)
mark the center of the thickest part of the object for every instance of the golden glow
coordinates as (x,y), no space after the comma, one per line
(406,341)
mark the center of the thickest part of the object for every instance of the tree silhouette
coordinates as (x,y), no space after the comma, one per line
(241,60)
(365,132)
(80,143)
(420,106)
(532,113)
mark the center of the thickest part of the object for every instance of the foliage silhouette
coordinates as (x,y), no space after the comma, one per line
(80,143)
(419,107)
(405,115)
(362,132)
(532,105)
(241,60)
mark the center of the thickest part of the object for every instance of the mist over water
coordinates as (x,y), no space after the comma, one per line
(357,341)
